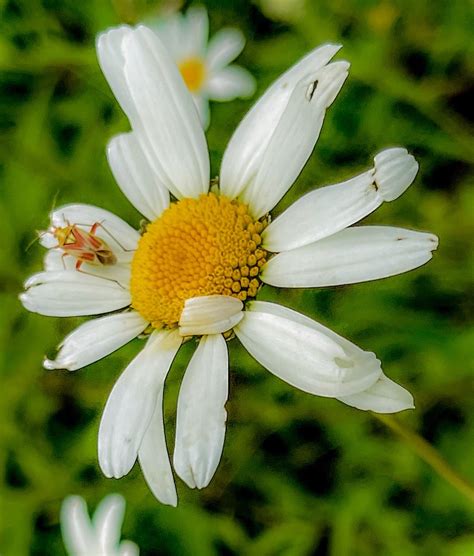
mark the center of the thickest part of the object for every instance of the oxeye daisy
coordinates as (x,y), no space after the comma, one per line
(200,262)
(205,64)
(99,536)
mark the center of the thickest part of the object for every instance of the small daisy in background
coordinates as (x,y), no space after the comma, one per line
(197,268)
(204,63)
(99,536)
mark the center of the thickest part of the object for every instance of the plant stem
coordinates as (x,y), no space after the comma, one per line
(428,454)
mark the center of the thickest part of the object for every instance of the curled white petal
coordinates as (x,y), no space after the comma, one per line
(154,460)
(132,402)
(67,293)
(245,151)
(385,396)
(210,314)
(330,209)
(201,417)
(135,177)
(95,339)
(294,137)
(353,255)
(395,170)
(304,353)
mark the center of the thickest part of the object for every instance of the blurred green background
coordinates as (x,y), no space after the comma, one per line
(300,475)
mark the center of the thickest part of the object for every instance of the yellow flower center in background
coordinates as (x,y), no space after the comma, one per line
(193,72)
(205,246)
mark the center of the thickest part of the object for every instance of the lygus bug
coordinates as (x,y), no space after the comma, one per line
(85,247)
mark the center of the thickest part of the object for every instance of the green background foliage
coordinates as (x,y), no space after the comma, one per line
(300,475)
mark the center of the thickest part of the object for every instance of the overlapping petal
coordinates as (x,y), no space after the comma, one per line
(247,147)
(169,131)
(201,416)
(132,403)
(353,255)
(294,137)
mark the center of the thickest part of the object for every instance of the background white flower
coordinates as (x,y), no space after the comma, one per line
(314,242)
(99,536)
(204,63)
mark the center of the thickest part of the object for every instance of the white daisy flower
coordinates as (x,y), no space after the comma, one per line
(199,265)
(99,536)
(205,64)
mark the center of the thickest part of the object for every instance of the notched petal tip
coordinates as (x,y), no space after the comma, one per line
(395,170)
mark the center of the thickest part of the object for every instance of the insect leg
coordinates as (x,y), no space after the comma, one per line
(102,277)
(97,224)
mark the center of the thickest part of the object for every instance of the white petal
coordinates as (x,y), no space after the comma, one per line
(57,259)
(68,293)
(385,396)
(201,417)
(112,61)
(197,30)
(78,534)
(395,170)
(135,177)
(46,239)
(128,548)
(118,235)
(202,106)
(95,339)
(166,121)
(304,353)
(353,255)
(322,212)
(328,210)
(171,31)
(132,402)
(154,460)
(107,521)
(294,137)
(248,144)
(210,314)
(229,83)
(224,47)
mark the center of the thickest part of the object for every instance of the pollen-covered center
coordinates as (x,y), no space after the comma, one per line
(193,72)
(205,246)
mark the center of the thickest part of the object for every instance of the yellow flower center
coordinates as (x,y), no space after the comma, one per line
(193,72)
(205,246)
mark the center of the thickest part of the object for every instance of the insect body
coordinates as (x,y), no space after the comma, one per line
(85,247)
